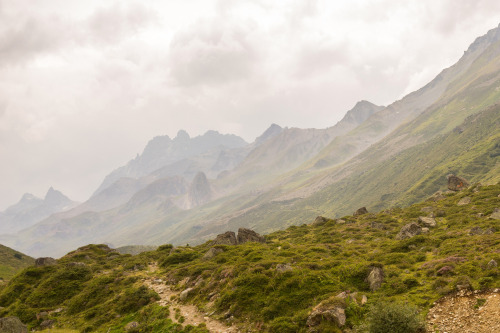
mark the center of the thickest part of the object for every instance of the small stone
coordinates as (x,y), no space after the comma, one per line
(425,230)
(184,295)
(464,201)
(492,264)
(281,268)
(131,325)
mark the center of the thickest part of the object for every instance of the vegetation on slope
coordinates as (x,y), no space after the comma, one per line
(12,262)
(274,286)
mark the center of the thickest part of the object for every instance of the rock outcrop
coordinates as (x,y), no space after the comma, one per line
(456,183)
(227,238)
(326,312)
(247,235)
(408,231)
(45,261)
(212,252)
(200,191)
(12,325)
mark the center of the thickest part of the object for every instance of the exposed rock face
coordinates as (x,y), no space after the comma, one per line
(375,278)
(200,191)
(427,221)
(360,211)
(464,201)
(456,183)
(12,325)
(45,261)
(408,231)
(227,238)
(247,235)
(212,253)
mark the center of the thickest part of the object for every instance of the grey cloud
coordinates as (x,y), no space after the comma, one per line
(314,58)
(111,24)
(28,38)
(212,52)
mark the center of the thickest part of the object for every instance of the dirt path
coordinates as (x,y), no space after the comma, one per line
(191,314)
(466,312)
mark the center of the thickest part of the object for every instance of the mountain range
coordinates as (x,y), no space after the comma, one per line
(187,190)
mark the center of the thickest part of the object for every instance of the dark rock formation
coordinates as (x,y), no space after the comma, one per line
(45,261)
(200,191)
(360,211)
(12,325)
(408,231)
(227,238)
(456,183)
(247,235)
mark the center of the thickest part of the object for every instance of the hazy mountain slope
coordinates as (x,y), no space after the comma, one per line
(406,109)
(162,151)
(293,146)
(30,210)
(12,262)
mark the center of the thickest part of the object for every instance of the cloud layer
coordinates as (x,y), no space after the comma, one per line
(85,84)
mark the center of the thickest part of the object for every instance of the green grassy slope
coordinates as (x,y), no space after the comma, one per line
(243,282)
(12,262)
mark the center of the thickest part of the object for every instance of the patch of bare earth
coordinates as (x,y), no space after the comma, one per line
(466,312)
(191,314)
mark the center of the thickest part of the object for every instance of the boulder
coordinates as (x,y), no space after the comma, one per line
(227,238)
(184,295)
(320,220)
(45,261)
(492,264)
(408,231)
(12,325)
(375,278)
(425,230)
(281,268)
(360,211)
(456,183)
(46,324)
(212,252)
(436,197)
(247,235)
(333,314)
(464,201)
(445,270)
(427,221)
(496,214)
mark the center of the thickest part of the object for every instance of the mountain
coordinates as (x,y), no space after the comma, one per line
(30,210)
(328,275)
(162,151)
(12,262)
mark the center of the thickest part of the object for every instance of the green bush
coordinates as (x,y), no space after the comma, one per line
(395,318)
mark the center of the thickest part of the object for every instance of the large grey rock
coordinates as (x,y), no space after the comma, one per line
(456,183)
(427,221)
(333,314)
(247,235)
(408,231)
(320,220)
(12,325)
(227,238)
(45,261)
(184,295)
(375,278)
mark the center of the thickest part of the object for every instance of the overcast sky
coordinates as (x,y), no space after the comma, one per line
(85,84)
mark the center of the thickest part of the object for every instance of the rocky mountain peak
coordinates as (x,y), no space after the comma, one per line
(361,111)
(182,135)
(271,132)
(28,197)
(55,197)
